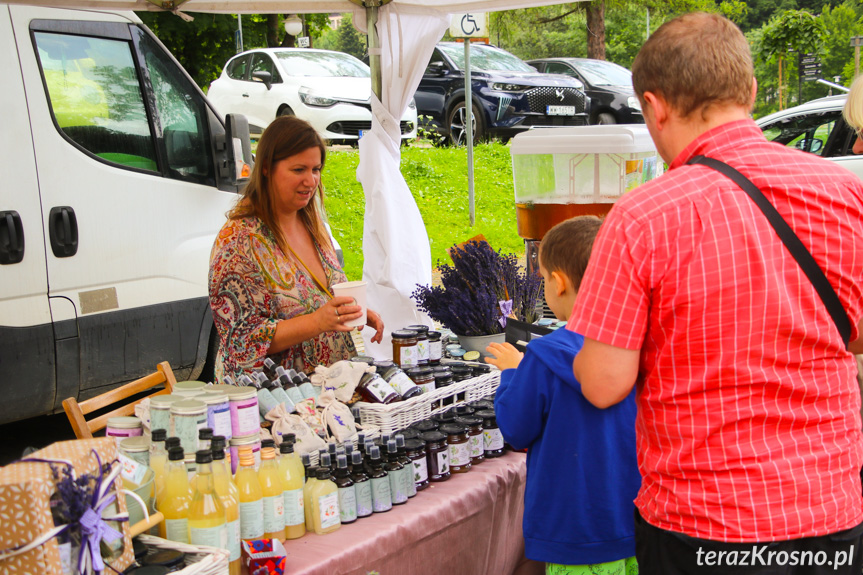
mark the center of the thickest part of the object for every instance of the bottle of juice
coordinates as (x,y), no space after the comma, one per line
(362,485)
(325,503)
(311,481)
(381,496)
(293,476)
(395,470)
(175,499)
(251,498)
(158,459)
(271,489)
(347,492)
(207,518)
(230,498)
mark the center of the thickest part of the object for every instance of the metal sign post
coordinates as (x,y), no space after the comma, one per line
(856,42)
(469,26)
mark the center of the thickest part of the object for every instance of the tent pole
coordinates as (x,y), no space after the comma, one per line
(372,8)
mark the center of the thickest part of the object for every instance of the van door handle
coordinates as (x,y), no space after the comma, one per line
(245,95)
(11,238)
(63,231)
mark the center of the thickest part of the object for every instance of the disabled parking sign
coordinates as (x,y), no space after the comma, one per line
(473,25)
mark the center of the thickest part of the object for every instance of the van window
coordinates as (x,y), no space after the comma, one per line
(95,97)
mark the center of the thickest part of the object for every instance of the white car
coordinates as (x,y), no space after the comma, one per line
(330,90)
(817,127)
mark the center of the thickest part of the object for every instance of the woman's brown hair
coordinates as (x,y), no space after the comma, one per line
(285,136)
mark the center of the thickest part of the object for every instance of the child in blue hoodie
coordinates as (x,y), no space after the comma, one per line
(582,475)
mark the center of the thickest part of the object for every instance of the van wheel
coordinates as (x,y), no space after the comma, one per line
(286,111)
(209,370)
(458,125)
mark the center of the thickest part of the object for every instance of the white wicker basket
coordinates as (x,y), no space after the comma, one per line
(200,559)
(370,432)
(399,415)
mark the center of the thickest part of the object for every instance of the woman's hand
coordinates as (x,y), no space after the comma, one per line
(333,315)
(503,355)
(374,321)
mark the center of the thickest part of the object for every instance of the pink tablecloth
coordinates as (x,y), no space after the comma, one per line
(468,525)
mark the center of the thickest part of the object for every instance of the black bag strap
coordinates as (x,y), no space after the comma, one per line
(804,258)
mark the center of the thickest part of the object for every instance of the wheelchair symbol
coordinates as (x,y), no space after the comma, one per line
(469,25)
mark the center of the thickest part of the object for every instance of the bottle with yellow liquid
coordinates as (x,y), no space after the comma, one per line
(307,490)
(251,497)
(325,503)
(175,499)
(271,489)
(207,518)
(293,477)
(158,459)
(229,496)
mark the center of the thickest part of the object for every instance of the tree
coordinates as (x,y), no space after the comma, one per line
(349,40)
(792,31)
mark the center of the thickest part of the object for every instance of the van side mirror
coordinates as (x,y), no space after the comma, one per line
(436,68)
(265,77)
(238,149)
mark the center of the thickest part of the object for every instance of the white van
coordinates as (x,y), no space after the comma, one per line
(116,180)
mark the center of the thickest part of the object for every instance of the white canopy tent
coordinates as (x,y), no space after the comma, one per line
(397,255)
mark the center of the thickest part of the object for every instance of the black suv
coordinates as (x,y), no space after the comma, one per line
(509,96)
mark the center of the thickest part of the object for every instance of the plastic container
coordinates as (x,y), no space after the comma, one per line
(218,413)
(160,412)
(187,417)
(245,419)
(121,427)
(189,388)
(559,173)
(136,448)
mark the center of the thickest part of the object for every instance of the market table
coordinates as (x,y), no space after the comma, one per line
(470,524)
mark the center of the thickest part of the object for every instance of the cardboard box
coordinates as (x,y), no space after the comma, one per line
(25,512)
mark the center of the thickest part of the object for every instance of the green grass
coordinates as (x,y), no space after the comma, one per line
(437,178)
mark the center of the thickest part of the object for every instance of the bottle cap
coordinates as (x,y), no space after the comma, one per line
(247,458)
(286,446)
(355,411)
(349,448)
(246,380)
(159,435)
(331,448)
(368,445)
(269,363)
(268,443)
(340,451)
(342,462)
(205,433)
(268,453)
(285,381)
(203,456)
(228,380)
(374,452)
(361,439)
(172,442)
(356,458)
(280,371)
(325,460)
(175,454)
(391,446)
(306,459)
(218,442)
(400,440)
(322,473)
(385,437)
(218,453)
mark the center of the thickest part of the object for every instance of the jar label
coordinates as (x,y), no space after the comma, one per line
(252,519)
(177,530)
(233,529)
(443,462)
(381,494)
(244,417)
(274,513)
(219,419)
(435,350)
(379,389)
(492,439)
(397,488)
(423,349)
(459,453)
(161,419)
(363,491)
(427,387)
(409,356)
(476,445)
(421,470)
(401,383)
(328,509)
(347,504)
(294,507)
(211,536)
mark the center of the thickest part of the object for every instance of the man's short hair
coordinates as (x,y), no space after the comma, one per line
(694,61)
(566,247)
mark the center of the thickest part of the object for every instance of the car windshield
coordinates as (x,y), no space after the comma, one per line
(484,58)
(322,64)
(599,73)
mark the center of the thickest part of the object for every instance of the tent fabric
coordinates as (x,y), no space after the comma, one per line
(395,244)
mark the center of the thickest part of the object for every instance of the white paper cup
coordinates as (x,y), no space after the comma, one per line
(356,290)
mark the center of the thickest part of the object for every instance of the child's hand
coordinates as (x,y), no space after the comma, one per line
(504,355)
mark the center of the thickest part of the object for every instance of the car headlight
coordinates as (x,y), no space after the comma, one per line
(504,87)
(633,102)
(310,99)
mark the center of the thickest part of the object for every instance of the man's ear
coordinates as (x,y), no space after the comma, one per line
(754,89)
(562,282)
(658,108)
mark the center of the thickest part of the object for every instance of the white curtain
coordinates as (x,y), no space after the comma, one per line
(395,243)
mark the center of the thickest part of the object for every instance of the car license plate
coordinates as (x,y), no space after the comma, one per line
(360,134)
(560,110)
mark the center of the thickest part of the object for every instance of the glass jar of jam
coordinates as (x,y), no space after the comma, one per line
(422,342)
(443,418)
(363,359)
(423,377)
(491,435)
(400,381)
(405,351)
(435,347)
(374,389)
(408,433)
(382,366)
(459,447)
(463,410)
(415,449)
(461,372)
(474,436)
(442,378)
(480,369)
(481,404)
(424,425)
(437,455)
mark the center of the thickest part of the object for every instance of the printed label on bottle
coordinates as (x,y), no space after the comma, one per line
(408,356)
(379,388)
(328,507)
(423,349)
(443,462)
(266,401)
(274,513)
(401,383)
(220,420)
(233,531)
(347,503)
(410,488)
(252,519)
(459,454)
(397,488)
(476,445)
(421,470)
(492,439)
(381,495)
(248,419)
(435,350)
(307,389)
(177,530)
(363,492)
(211,536)
(295,394)
(294,507)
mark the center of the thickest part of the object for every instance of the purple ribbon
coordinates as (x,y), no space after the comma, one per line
(93,530)
(505,310)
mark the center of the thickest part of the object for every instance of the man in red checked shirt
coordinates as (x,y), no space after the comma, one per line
(748,426)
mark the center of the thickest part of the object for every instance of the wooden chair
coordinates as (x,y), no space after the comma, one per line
(76,411)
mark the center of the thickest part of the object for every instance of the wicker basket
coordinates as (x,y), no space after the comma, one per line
(399,415)
(204,560)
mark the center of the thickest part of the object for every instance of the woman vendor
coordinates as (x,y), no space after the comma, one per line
(273,264)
